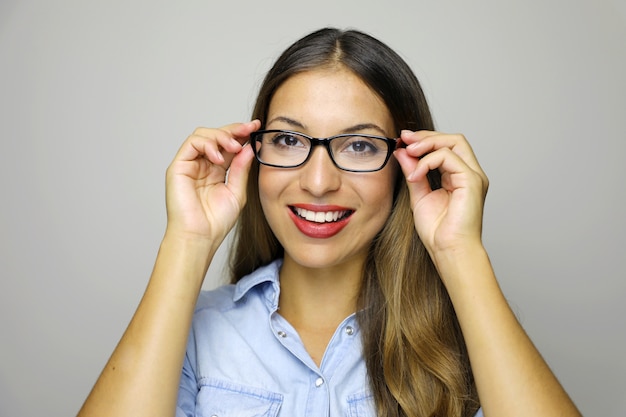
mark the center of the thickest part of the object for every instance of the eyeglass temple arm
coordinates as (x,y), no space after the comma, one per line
(400,143)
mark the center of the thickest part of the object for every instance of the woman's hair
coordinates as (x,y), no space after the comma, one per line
(414,351)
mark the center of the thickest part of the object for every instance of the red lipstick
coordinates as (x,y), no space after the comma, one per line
(330,219)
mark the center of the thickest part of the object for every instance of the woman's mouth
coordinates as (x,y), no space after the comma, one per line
(321,223)
(321,216)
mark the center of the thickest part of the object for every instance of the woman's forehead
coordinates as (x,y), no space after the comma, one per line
(330,99)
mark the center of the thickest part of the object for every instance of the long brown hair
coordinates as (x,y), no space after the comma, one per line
(413,347)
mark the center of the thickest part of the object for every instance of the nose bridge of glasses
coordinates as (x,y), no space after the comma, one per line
(324,143)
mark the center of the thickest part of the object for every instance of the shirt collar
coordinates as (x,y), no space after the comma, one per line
(267,273)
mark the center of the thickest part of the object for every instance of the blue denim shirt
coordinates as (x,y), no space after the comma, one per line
(244,359)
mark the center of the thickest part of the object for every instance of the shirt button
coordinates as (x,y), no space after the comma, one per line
(349,330)
(282,334)
(319,382)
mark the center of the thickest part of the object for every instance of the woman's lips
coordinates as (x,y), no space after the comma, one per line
(320,216)
(320,222)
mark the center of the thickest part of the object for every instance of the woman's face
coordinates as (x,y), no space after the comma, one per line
(323,216)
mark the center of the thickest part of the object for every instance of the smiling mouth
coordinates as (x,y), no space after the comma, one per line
(321,216)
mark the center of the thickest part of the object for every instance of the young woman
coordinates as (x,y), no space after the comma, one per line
(360,285)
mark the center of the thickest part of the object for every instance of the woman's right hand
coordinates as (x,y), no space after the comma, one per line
(201,204)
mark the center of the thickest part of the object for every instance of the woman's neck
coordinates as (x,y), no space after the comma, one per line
(316,301)
(319,298)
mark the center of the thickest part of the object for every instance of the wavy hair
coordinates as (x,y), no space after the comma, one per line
(413,348)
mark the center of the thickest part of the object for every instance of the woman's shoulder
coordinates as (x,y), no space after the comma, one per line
(228,296)
(218,298)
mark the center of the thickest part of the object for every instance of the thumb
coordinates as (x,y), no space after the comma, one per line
(418,185)
(238,173)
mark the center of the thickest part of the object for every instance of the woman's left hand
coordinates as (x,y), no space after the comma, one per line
(449,218)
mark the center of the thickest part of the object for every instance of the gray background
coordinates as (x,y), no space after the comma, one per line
(96,97)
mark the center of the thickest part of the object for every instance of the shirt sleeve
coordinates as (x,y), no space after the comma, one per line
(187,391)
(479,413)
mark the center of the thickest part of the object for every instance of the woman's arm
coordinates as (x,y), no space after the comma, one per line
(142,376)
(511,376)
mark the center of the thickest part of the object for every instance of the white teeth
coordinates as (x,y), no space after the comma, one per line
(319,216)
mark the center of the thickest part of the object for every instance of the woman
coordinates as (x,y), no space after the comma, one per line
(360,283)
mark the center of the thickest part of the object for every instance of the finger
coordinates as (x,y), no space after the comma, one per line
(419,186)
(416,167)
(231,134)
(409,137)
(238,173)
(217,145)
(422,142)
(198,147)
(240,134)
(454,171)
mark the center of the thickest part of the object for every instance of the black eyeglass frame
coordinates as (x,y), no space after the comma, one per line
(393,144)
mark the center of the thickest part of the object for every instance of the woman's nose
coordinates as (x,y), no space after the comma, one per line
(319,174)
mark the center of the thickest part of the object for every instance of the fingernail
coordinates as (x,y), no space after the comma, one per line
(412,146)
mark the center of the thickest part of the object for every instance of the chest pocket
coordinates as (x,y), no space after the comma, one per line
(225,399)
(361,405)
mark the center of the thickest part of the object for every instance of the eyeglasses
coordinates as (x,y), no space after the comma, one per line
(349,152)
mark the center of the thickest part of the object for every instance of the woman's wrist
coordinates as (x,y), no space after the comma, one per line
(191,241)
(186,256)
(463,266)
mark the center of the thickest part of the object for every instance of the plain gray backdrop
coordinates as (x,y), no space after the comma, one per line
(96,97)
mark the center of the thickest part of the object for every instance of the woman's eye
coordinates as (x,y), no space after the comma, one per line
(361,146)
(287,140)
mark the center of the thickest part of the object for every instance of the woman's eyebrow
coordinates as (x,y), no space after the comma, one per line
(365,126)
(287,120)
(352,129)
